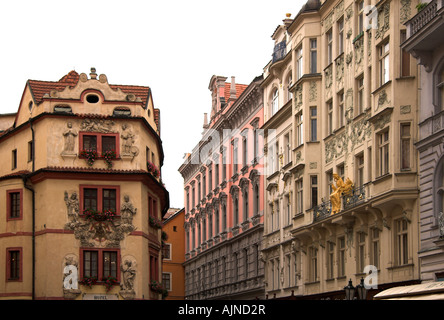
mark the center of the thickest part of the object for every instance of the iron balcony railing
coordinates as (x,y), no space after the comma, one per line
(279,52)
(323,210)
(423,17)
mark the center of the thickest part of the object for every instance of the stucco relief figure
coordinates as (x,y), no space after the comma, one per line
(127,211)
(129,274)
(338,190)
(72,204)
(95,125)
(69,135)
(128,139)
(70,275)
(441,224)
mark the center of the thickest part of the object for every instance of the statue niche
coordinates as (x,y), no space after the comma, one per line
(339,190)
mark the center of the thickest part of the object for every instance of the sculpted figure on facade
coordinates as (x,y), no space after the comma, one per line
(127,212)
(72,204)
(128,139)
(338,190)
(95,125)
(129,275)
(69,135)
(70,274)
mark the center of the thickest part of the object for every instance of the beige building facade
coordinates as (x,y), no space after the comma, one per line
(344,163)
(80,192)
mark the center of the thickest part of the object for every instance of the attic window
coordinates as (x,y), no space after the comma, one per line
(63,109)
(122,111)
(92,98)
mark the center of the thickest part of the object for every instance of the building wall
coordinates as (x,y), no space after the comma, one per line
(52,229)
(324,249)
(217,241)
(173,227)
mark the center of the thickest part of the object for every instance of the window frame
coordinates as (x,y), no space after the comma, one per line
(100,262)
(9,204)
(384,62)
(9,264)
(99,139)
(100,197)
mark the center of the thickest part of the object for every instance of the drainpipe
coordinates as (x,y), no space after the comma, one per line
(25,178)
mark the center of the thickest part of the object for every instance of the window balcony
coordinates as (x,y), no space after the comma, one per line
(280,51)
(349,201)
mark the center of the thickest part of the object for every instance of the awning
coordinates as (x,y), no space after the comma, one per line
(423,291)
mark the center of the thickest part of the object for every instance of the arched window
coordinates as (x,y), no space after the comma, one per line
(275,102)
(289,84)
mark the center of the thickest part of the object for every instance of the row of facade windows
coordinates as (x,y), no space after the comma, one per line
(240,265)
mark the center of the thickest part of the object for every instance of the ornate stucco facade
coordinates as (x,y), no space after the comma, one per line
(79,191)
(351,180)
(223,191)
(424,42)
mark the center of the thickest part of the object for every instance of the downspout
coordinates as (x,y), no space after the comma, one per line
(25,178)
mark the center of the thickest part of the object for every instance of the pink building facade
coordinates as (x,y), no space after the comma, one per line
(223,193)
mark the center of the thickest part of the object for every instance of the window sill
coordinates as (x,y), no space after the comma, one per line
(382,86)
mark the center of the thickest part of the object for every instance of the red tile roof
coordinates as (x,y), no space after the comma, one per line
(239,89)
(39,88)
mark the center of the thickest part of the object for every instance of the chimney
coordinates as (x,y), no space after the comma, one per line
(205,125)
(233,88)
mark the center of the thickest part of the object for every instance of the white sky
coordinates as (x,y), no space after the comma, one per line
(172,46)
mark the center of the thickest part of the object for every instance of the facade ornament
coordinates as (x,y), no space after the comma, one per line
(441,225)
(128,138)
(97,125)
(340,71)
(72,205)
(406,9)
(128,269)
(313,94)
(383,20)
(69,135)
(341,188)
(127,212)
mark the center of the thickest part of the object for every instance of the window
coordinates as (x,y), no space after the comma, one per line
(204,184)
(299,129)
(154,266)
(401,242)
(193,196)
(384,64)
(287,209)
(383,145)
(210,225)
(235,156)
(405,146)
(360,102)
(166,251)
(246,208)
(14,264)
(199,190)
(313,264)
(313,124)
(405,57)
(330,181)
(224,217)
(299,63)
(289,84)
(224,166)
(374,257)
(341,257)
(99,198)
(314,190)
(341,36)
(245,149)
(14,204)
(359,170)
(100,142)
(313,56)
(100,263)
(299,196)
(360,17)
(236,211)
(217,218)
(329,46)
(341,114)
(330,259)
(440,89)
(360,252)
(287,146)
(256,199)
(14,159)
(275,102)
(188,200)
(216,174)
(329,117)
(166,280)
(30,151)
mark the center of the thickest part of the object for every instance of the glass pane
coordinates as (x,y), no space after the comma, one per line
(89,143)
(108,143)
(90,199)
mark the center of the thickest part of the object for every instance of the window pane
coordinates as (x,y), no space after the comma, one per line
(89,143)
(109,264)
(108,143)
(15,204)
(90,263)
(14,260)
(109,199)
(90,199)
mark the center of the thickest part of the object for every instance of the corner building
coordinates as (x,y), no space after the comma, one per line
(81,192)
(342,171)
(223,192)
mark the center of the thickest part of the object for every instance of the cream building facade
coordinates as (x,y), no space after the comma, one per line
(81,192)
(351,180)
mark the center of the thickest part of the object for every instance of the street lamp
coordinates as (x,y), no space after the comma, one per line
(362,291)
(349,291)
(360,288)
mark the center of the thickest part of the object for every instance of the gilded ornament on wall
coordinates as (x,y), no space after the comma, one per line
(341,188)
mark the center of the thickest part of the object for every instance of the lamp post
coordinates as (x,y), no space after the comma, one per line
(360,288)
